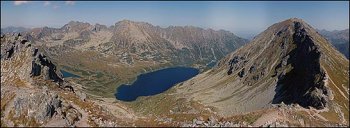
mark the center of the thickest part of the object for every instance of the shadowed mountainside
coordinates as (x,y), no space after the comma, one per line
(289,62)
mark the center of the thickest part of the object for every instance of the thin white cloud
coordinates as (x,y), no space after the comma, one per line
(70,2)
(47,3)
(20,2)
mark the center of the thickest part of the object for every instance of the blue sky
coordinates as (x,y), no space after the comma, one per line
(241,18)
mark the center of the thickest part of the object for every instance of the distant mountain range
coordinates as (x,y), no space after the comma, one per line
(340,39)
(13,29)
(140,41)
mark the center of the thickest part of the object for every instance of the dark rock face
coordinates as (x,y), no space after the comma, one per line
(291,46)
(10,52)
(99,27)
(29,37)
(39,63)
(236,63)
(35,52)
(241,73)
(252,69)
(40,105)
(304,83)
(36,69)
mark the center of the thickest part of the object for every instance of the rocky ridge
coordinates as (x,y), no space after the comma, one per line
(34,93)
(141,41)
(287,63)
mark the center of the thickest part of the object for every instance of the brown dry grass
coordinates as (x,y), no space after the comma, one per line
(336,75)
(22,120)
(89,106)
(5,100)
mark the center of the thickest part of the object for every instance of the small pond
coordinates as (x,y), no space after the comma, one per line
(68,74)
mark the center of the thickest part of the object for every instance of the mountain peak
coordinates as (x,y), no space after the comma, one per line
(292,23)
(126,21)
(285,63)
(129,23)
(295,20)
(76,26)
(76,22)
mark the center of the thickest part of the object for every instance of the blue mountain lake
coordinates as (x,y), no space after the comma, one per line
(67,74)
(153,83)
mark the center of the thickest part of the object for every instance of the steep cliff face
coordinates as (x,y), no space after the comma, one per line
(19,51)
(23,72)
(304,83)
(289,62)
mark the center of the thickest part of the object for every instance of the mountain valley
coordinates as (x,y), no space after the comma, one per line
(288,75)
(115,55)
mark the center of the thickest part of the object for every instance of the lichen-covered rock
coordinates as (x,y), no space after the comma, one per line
(71,115)
(19,49)
(41,106)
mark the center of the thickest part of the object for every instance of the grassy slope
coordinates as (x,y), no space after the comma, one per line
(337,68)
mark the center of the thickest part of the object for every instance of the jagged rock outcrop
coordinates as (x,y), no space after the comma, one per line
(23,65)
(42,66)
(304,84)
(99,27)
(43,106)
(33,92)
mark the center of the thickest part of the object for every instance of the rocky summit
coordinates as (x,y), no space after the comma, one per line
(289,63)
(288,75)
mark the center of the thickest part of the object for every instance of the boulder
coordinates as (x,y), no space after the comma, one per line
(241,73)
(41,106)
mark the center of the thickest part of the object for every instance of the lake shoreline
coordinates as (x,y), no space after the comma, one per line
(159,79)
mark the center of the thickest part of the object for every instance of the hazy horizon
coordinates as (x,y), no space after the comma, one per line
(242,18)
